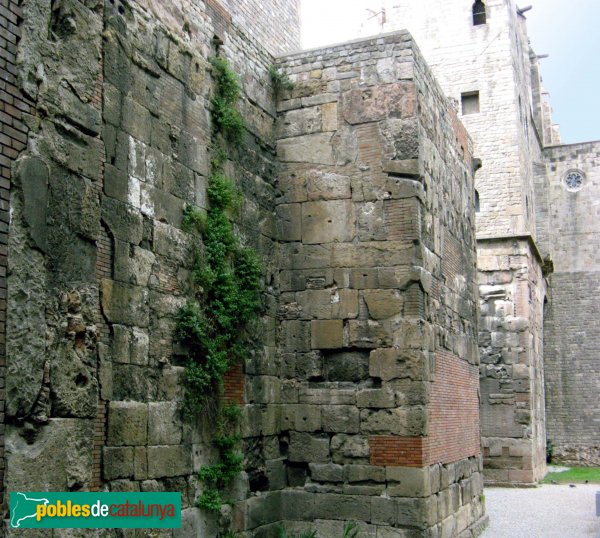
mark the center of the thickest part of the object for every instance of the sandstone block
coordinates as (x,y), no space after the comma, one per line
(327,334)
(301,417)
(305,447)
(167,461)
(380,102)
(326,472)
(391,363)
(117,462)
(340,419)
(127,423)
(328,221)
(312,148)
(125,304)
(383,304)
(322,185)
(398,421)
(164,423)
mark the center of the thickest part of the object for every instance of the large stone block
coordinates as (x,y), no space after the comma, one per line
(380,102)
(383,304)
(164,423)
(327,334)
(305,447)
(125,304)
(391,363)
(167,461)
(328,221)
(313,148)
(410,421)
(58,459)
(322,185)
(340,419)
(127,423)
(301,417)
(118,462)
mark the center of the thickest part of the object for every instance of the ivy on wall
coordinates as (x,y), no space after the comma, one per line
(227,280)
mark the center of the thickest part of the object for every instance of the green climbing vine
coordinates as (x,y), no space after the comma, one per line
(227,279)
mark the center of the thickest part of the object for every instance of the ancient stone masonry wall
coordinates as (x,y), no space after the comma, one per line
(53,301)
(512,292)
(378,414)
(572,336)
(99,265)
(13,108)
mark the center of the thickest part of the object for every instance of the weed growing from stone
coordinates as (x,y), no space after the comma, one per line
(227,118)
(280,81)
(227,283)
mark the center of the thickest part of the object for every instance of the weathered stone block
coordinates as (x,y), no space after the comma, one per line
(117,462)
(383,304)
(379,102)
(59,459)
(327,334)
(313,148)
(299,122)
(390,363)
(326,472)
(340,419)
(377,398)
(289,222)
(322,185)
(345,507)
(349,448)
(301,417)
(125,304)
(328,221)
(409,482)
(398,421)
(166,461)
(305,447)
(127,423)
(365,473)
(349,366)
(140,463)
(164,423)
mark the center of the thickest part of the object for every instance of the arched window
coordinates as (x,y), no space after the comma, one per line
(477,203)
(478,13)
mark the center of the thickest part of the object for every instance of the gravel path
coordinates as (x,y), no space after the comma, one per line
(546,512)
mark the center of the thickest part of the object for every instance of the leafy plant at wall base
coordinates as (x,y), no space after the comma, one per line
(549,450)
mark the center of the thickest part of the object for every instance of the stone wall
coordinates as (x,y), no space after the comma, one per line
(13,106)
(494,61)
(512,293)
(360,395)
(377,305)
(572,336)
(99,265)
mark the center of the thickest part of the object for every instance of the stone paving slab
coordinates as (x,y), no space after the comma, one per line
(550,511)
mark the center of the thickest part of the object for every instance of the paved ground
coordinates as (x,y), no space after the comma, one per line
(549,511)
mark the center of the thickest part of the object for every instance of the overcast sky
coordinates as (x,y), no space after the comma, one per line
(569,31)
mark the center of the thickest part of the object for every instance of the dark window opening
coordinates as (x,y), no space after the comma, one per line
(478,13)
(470,103)
(477,203)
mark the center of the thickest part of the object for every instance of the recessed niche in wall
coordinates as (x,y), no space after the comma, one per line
(469,103)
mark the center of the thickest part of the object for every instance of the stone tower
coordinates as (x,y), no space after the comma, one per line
(480,54)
